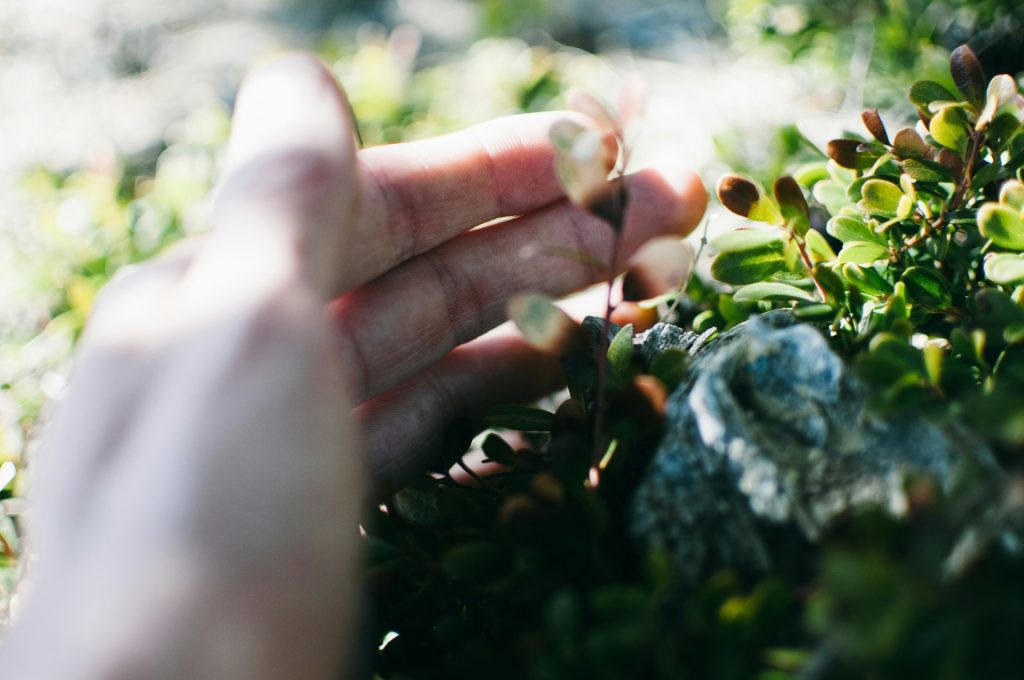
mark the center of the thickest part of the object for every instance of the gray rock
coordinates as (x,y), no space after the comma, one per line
(771,431)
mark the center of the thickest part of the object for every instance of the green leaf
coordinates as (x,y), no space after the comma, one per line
(1012,194)
(881,197)
(1002,224)
(1005,269)
(927,287)
(862,252)
(417,505)
(815,312)
(849,228)
(793,205)
(518,417)
(812,173)
(968,75)
(831,194)
(670,366)
(544,324)
(818,247)
(750,265)
(924,92)
(742,197)
(948,128)
(766,290)
(745,239)
(830,281)
(927,171)
(472,561)
(620,355)
(867,280)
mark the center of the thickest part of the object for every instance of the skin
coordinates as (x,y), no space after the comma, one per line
(233,402)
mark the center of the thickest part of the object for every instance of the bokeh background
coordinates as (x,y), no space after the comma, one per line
(113,114)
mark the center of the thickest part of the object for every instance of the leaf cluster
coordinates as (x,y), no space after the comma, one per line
(915,269)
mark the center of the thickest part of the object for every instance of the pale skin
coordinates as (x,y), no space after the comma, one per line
(232,403)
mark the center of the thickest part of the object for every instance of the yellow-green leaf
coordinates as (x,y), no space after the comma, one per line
(1002,224)
(1005,269)
(769,290)
(948,128)
(862,252)
(881,197)
(1012,194)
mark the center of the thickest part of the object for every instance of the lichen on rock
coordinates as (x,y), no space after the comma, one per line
(771,430)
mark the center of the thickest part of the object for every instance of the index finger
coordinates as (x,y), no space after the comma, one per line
(417,195)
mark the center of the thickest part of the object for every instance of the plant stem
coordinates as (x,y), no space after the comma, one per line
(602,356)
(937,225)
(810,267)
(693,271)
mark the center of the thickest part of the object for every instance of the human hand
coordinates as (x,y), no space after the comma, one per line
(200,486)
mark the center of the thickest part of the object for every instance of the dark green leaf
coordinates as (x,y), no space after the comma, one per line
(620,355)
(471,561)
(517,417)
(750,265)
(867,280)
(670,366)
(830,281)
(927,171)
(417,505)
(927,287)
(924,92)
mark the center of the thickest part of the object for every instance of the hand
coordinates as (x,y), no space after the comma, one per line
(199,488)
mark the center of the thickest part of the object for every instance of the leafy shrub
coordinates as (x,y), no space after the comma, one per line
(904,249)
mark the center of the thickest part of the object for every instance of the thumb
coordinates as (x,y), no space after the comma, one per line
(287,200)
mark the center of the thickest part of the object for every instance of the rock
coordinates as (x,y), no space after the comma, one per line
(771,433)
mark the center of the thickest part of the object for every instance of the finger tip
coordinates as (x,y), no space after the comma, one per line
(293,100)
(665,200)
(693,201)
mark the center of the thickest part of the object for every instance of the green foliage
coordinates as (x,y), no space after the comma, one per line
(905,256)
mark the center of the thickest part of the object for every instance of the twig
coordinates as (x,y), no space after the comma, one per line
(810,268)
(602,357)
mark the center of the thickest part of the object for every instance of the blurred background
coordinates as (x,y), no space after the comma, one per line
(113,114)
